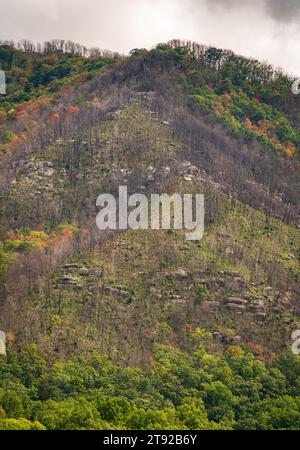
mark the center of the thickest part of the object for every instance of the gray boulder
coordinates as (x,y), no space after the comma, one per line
(176,275)
(235,307)
(183,167)
(115,292)
(70,266)
(236,301)
(83,271)
(209,305)
(68,281)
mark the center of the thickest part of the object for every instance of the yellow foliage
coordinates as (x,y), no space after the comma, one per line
(10,337)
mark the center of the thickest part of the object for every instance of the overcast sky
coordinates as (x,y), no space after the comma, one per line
(265,29)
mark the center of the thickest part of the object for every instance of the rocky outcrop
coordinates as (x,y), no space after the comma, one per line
(256,307)
(235,301)
(235,284)
(210,306)
(69,280)
(115,292)
(226,339)
(75,268)
(186,168)
(176,275)
(235,307)
(44,167)
(70,266)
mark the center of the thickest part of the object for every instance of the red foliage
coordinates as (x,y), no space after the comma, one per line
(72,109)
(257,349)
(54,117)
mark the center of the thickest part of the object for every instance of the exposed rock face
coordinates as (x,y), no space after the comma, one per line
(183,167)
(45,167)
(74,267)
(257,307)
(193,170)
(150,173)
(286,299)
(277,310)
(244,298)
(236,340)
(187,178)
(235,284)
(69,281)
(228,280)
(186,168)
(176,275)
(70,266)
(217,336)
(231,340)
(210,305)
(29,168)
(235,300)
(115,292)
(179,301)
(163,172)
(261,316)
(236,307)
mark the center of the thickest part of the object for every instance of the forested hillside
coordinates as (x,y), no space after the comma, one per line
(141,329)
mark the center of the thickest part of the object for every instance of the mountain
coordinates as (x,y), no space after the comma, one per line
(142,329)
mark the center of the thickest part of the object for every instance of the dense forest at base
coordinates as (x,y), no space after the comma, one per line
(176,391)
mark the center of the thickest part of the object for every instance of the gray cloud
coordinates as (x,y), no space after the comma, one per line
(283,10)
(279,10)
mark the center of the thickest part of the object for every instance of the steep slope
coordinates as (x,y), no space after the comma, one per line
(136,296)
(244,253)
